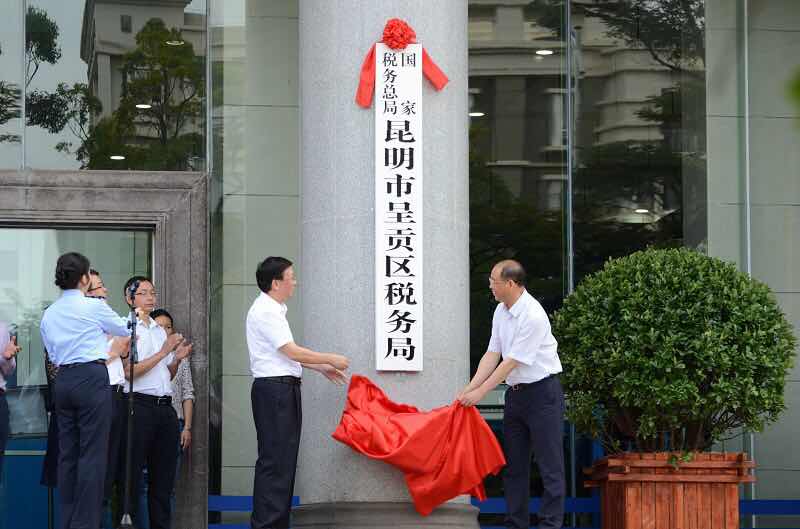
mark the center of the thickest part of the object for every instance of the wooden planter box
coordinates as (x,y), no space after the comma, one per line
(645,491)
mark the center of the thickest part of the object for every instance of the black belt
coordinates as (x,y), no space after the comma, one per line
(166,400)
(524,385)
(117,388)
(77,364)
(293,381)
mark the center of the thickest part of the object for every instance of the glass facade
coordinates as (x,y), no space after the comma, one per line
(596,128)
(103,85)
(26,289)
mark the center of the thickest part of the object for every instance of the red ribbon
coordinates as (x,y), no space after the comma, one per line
(366,83)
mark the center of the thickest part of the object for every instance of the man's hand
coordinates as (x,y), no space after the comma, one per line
(339,361)
(186,439)
(11,349)
(332,374)
(120,346)
(183,350)
(471,398)
(463,391)
(173,341)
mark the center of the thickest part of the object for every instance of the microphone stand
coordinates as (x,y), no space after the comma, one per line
(127,520)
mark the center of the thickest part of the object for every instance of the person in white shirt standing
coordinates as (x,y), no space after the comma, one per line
(155,424)
(523,352)
(276,363)
(116,381)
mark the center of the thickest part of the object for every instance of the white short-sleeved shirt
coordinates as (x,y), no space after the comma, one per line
(523,333)
(267,331)
(116,371)
(149,341)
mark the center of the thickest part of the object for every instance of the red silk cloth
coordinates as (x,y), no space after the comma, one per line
(366,83)
(443,453)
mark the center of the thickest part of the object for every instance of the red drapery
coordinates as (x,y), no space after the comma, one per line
(366,82)
(442,453)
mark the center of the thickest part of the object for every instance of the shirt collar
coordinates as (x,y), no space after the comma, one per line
(520,304)
(274,304)
(72,292)
(140,321)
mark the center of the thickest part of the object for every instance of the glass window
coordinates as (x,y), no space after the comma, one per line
(27,265)
(103,94)
(639,161)
(11,85)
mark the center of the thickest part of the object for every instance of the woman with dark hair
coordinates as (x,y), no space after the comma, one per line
(74,332)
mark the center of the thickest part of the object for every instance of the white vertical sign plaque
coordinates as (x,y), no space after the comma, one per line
(398,208)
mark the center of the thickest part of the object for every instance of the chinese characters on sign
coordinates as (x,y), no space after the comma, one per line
(398,207)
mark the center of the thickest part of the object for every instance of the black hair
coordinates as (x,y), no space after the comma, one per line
(513,271)
(131,281)
(162,312)
(70,268)
(270,269)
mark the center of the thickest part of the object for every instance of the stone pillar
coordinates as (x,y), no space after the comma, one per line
(337,487)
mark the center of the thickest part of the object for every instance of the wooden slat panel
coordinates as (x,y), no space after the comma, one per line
(678,506)
(648,496)
(633,506)
(731,506)
(717,500)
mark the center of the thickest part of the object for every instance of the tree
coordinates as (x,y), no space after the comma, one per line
(41,41)
(171,79)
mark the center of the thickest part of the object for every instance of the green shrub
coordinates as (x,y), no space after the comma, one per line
(671,350)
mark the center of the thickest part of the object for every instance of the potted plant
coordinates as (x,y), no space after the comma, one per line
(665,353)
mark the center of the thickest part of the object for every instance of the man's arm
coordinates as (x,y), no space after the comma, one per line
(328,371)
(110,321)
(485,368)
(149,363)
(307,356)
(474,396)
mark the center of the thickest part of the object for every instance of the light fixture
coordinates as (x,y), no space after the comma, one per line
(544,52)
(117,157)
(143,106)
(175,43)
(476,114)
(642,211)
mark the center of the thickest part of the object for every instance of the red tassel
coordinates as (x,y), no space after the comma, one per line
(432,72)
(366,82)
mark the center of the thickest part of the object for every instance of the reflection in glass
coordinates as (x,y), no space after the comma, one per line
(11,42)
(518,167)
(27,264)
(640,136)
(115,85)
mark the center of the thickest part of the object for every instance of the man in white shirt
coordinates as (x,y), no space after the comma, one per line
(155,434)
(523,352)
(276,363)
(116,381)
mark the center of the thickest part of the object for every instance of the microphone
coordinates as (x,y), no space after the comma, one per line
(132,290)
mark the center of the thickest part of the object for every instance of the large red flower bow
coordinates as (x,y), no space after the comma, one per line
(397,34)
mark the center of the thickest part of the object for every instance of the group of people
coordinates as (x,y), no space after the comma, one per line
(89,348)
(88,354)
(521,351)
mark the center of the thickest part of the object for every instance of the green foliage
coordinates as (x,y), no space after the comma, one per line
(671,350)
(41,41)
(794,89)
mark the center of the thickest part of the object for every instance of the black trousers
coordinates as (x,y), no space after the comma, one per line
(116,441)
(4,429)
(83,408)
(278,417)
(155,444)
(534,420)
